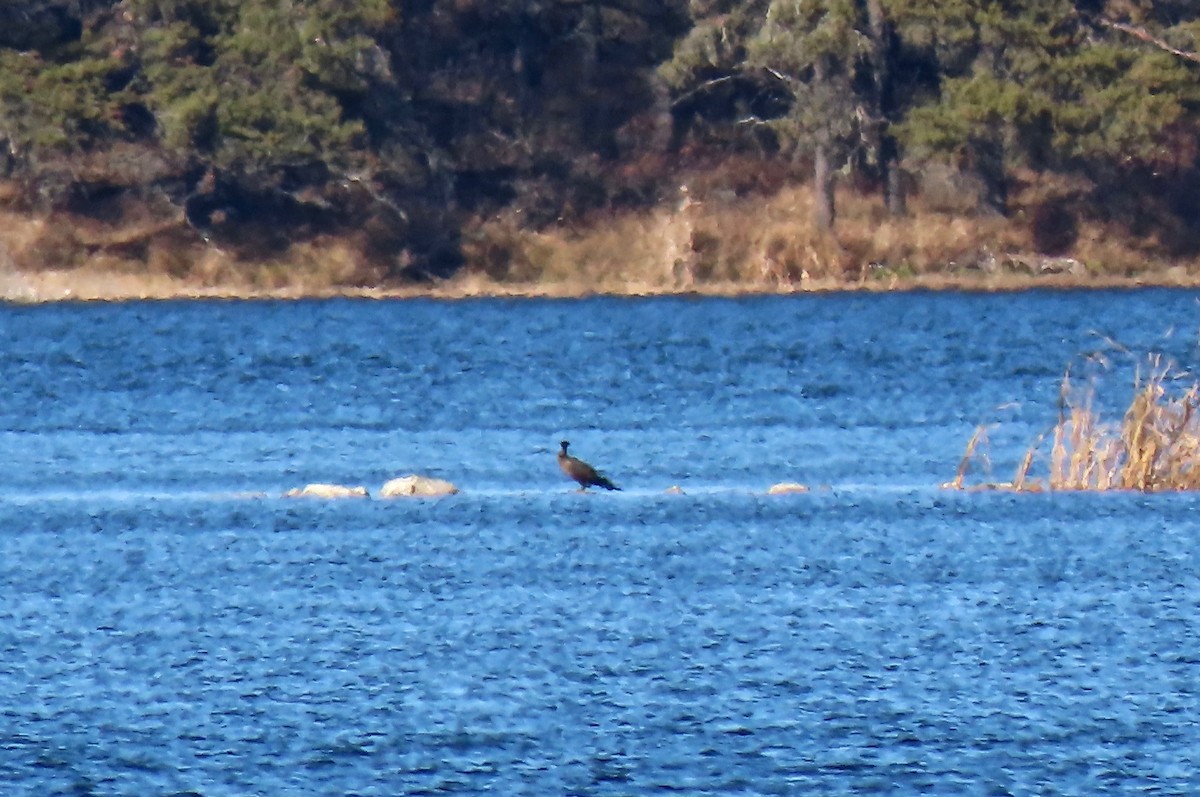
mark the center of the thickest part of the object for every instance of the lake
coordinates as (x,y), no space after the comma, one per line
(170,624)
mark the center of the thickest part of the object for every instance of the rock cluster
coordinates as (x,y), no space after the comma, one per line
(321,490)
(411,486)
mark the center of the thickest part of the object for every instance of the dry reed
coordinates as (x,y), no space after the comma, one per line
(1154,447)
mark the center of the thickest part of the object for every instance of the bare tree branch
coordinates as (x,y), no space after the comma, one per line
(1148,37)
(705,86)
(780,76)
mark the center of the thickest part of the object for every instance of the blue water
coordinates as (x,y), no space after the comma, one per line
(169,624)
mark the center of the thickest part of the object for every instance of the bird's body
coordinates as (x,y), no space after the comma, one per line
(582,472)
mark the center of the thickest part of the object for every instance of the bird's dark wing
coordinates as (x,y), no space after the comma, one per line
(600,480)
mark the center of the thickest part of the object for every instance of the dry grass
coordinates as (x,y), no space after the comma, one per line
(764,243)
(50,258)
(734,231)
(1154,447)
(712,239)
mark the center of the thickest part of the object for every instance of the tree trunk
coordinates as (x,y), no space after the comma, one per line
(886,149)
(825,210)
(893,178)
(987,159)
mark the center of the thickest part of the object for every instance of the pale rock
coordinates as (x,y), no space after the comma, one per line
(416,486)
(319,490)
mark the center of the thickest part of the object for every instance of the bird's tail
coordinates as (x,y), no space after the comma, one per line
(603,481)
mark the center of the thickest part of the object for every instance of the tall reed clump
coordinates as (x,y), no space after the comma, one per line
(1154,447)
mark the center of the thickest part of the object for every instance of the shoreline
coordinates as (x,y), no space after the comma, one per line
(91,285)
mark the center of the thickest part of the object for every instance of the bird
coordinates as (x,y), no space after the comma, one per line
(582,472)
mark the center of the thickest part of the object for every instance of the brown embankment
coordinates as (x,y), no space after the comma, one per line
(719,244)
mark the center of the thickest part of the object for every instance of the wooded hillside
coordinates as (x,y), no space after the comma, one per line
(399,126)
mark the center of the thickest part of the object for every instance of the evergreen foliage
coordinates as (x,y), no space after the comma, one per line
(1048,84)
(1046,81)
(259,89)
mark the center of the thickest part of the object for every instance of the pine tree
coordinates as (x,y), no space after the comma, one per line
(1050,84)
(259,89)
(59,93)
(830,61)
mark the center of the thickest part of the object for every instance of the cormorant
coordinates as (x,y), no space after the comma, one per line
(582,472)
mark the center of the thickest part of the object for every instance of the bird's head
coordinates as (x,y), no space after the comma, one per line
(564,445)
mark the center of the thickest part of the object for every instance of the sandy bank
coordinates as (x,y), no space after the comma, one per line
(94,285)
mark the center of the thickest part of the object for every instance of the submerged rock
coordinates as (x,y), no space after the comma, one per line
(786,488)
(319,490)
(416,486)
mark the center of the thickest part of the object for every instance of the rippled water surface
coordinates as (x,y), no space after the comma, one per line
(169,623)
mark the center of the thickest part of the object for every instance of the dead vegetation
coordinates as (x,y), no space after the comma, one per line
(727,228)
(1153,447)
(734,227)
